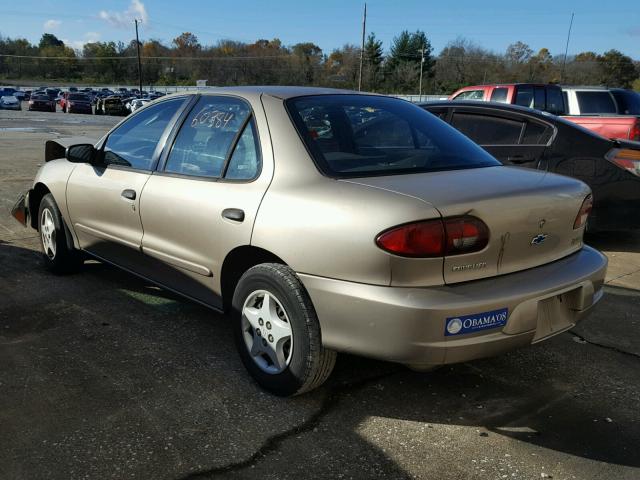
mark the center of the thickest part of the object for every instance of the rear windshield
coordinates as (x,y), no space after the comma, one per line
(628,102)
(40,97)
(595,102)
(366,135)
(78,96)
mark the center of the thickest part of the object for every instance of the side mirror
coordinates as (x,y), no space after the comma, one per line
(82,153)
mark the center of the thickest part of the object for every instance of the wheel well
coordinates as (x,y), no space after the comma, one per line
(238,261)
(35,197)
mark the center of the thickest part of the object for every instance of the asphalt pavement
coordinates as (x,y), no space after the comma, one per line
(105,376)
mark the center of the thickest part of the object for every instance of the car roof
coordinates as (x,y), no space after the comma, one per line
(585,87)
(282,92)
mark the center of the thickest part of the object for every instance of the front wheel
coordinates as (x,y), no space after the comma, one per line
(277,331)
(58,253)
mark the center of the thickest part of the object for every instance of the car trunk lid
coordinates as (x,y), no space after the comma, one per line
(530,214)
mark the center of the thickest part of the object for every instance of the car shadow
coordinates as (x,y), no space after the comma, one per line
(615,241)
(100,365)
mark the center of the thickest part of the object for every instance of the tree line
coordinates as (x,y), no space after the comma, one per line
(185,60)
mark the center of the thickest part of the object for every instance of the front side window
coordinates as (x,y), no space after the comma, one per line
(471,95)
(207,136)
(364,135)
(134,142)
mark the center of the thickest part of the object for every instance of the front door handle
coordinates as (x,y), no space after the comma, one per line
(234,214)
(129,194)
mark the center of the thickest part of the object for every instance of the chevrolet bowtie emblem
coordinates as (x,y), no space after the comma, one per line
(539,239)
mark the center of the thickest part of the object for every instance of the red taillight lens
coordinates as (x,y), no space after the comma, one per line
(436,238)
(583,214)
(635,132)
(421,239)
(626,159)
(465,235)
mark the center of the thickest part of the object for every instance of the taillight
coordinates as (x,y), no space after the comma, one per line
(435,238)
(626,159)
(583,213)
(420,239)
(465,235)
(634,134)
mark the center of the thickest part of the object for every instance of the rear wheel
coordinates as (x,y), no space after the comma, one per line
(277,331)
(58,253)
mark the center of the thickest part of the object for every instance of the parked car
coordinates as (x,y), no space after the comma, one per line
(20,95)
(137,103)
(111,105)
(42,102)
(10,102)
(27,95)
(7,91)
(76,103)
(458,258)
(524,137)
(53,93)
(561,101)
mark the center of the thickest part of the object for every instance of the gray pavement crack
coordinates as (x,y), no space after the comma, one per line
(272,443)
(602,345)
(621,276)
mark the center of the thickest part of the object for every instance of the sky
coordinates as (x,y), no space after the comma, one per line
(333,23)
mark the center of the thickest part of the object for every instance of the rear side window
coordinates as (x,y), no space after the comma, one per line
(555,101)
(134,142)
(499,95)
(595,102)
(364,135)
(524,96)
(536,134)
(488,130)
(207,137)
(471,95)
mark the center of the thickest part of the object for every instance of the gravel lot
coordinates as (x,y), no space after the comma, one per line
(105,376)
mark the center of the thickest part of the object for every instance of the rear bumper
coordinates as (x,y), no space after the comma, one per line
(20,210)
(408,325)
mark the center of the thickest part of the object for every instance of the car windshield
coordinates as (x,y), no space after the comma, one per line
(366,135)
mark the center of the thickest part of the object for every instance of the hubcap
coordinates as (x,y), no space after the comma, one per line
(48,234)
(267,332)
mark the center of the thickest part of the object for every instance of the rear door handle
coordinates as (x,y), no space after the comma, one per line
(234,214)
(129,194)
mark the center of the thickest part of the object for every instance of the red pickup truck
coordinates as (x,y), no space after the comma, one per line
(598,112)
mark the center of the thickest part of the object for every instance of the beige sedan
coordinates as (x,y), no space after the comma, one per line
(324,221)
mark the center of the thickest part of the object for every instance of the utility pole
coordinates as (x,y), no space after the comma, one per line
(566,50)
(139,63)
(421,68)
(364,28)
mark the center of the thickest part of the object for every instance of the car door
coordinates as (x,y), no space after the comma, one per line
(511,137)
(202,201)
(104,199)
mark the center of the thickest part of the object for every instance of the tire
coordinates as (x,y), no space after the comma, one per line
(299,363)
(58,253)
